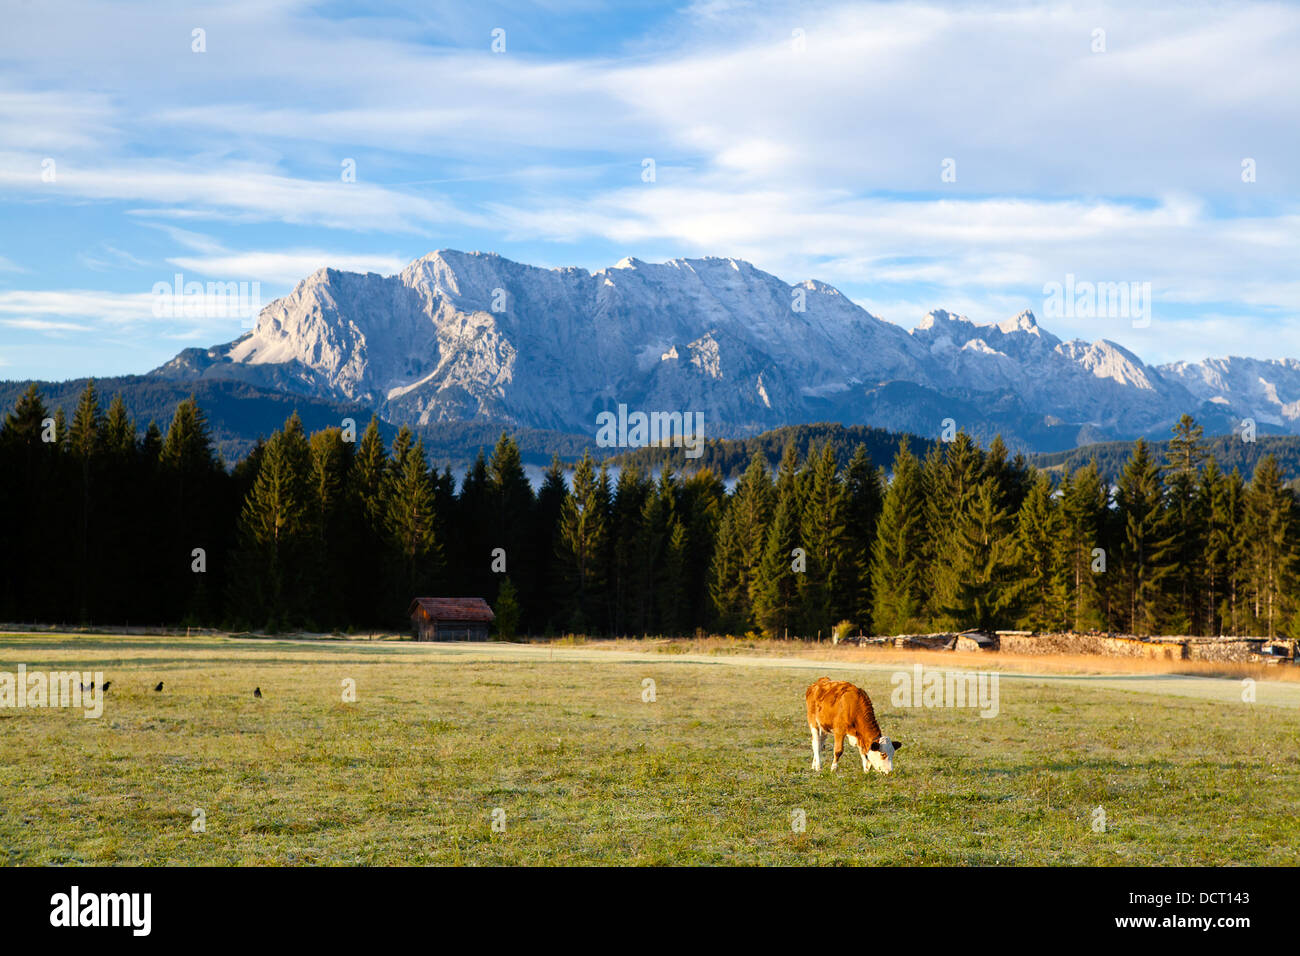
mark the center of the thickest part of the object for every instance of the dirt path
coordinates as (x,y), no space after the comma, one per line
(1268,693)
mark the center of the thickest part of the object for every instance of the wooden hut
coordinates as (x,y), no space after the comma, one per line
(450,619)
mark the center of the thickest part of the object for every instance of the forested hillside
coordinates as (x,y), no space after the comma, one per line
(105,522)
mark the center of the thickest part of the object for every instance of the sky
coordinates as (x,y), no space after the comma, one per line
(915,156)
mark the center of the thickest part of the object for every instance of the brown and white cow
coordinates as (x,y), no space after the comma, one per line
(838,707)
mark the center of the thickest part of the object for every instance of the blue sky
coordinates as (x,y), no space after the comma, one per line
(807,138)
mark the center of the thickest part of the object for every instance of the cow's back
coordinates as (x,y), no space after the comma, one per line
(830,699)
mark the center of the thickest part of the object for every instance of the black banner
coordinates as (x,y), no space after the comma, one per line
(258,907)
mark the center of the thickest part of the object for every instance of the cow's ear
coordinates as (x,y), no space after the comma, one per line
(898,745)
(875,745)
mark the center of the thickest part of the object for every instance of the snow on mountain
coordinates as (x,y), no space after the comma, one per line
(473,336)
(1267,390)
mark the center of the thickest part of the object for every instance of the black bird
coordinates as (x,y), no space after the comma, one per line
(159,687)
(104,689)
(257,692)
(91,687)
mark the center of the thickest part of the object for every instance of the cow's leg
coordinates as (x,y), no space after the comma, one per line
(866,768)
(839,749)
(817,747)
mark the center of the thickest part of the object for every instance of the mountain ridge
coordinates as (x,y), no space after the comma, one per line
(476,337)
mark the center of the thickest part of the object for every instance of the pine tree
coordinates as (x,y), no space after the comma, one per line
(510,501)
(369,597)
(658,514)
(545,613)
(276,534)
(1185,529)
(629,600)
(673,606)
(1186,451)
(411,525)
(475,538)
(823,535)
(86,437)
(742,537)
(1085,502)
(86,441)
(119,430)
(1230,531)
(583,536)
(774,589)
(331,463)
(703,499)
(1144,544)
(1045,554)
(507,610)
(1220,532)
(1270,520)
(990,583)
(191,474)
(953,476)
(897,568)
(28,472)
(863,498)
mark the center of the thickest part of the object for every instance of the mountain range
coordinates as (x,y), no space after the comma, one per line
(474,337)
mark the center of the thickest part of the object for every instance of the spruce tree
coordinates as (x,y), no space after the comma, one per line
(581,549)
(953,475)
(546,613)
(1045,554)
(507,610)
(1221,529)
(1231,522)
(774,590)
(1085,502)
(897,564)
(625,576)
(1185,529)
(119,430)
(86,441)
(742,537)
(331,462)
(823,536)
(276,535)
(1144,544)
(863,498)
(658,514)
(703,499)
(411,525)
(989,581)
(510,503)
(1270,520)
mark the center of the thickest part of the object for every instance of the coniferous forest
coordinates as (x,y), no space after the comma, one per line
(107,523)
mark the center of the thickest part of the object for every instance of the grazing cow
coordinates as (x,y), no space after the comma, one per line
(838,707)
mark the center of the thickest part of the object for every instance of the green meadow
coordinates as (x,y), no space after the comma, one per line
(576,767)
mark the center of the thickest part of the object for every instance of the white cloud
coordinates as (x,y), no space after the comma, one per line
(284,268)
(43,325)
(825,162)
(237,191)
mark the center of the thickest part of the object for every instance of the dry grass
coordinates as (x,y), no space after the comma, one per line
(1082,664)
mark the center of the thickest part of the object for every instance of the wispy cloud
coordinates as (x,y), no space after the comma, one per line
(810,139)
(43,325)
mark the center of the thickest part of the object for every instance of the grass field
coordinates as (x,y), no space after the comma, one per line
(711,772)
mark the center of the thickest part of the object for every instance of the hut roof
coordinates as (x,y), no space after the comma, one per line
(454,609)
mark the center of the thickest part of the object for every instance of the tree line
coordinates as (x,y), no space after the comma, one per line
(106,523)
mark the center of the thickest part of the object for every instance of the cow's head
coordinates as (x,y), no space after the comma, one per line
(881,754)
